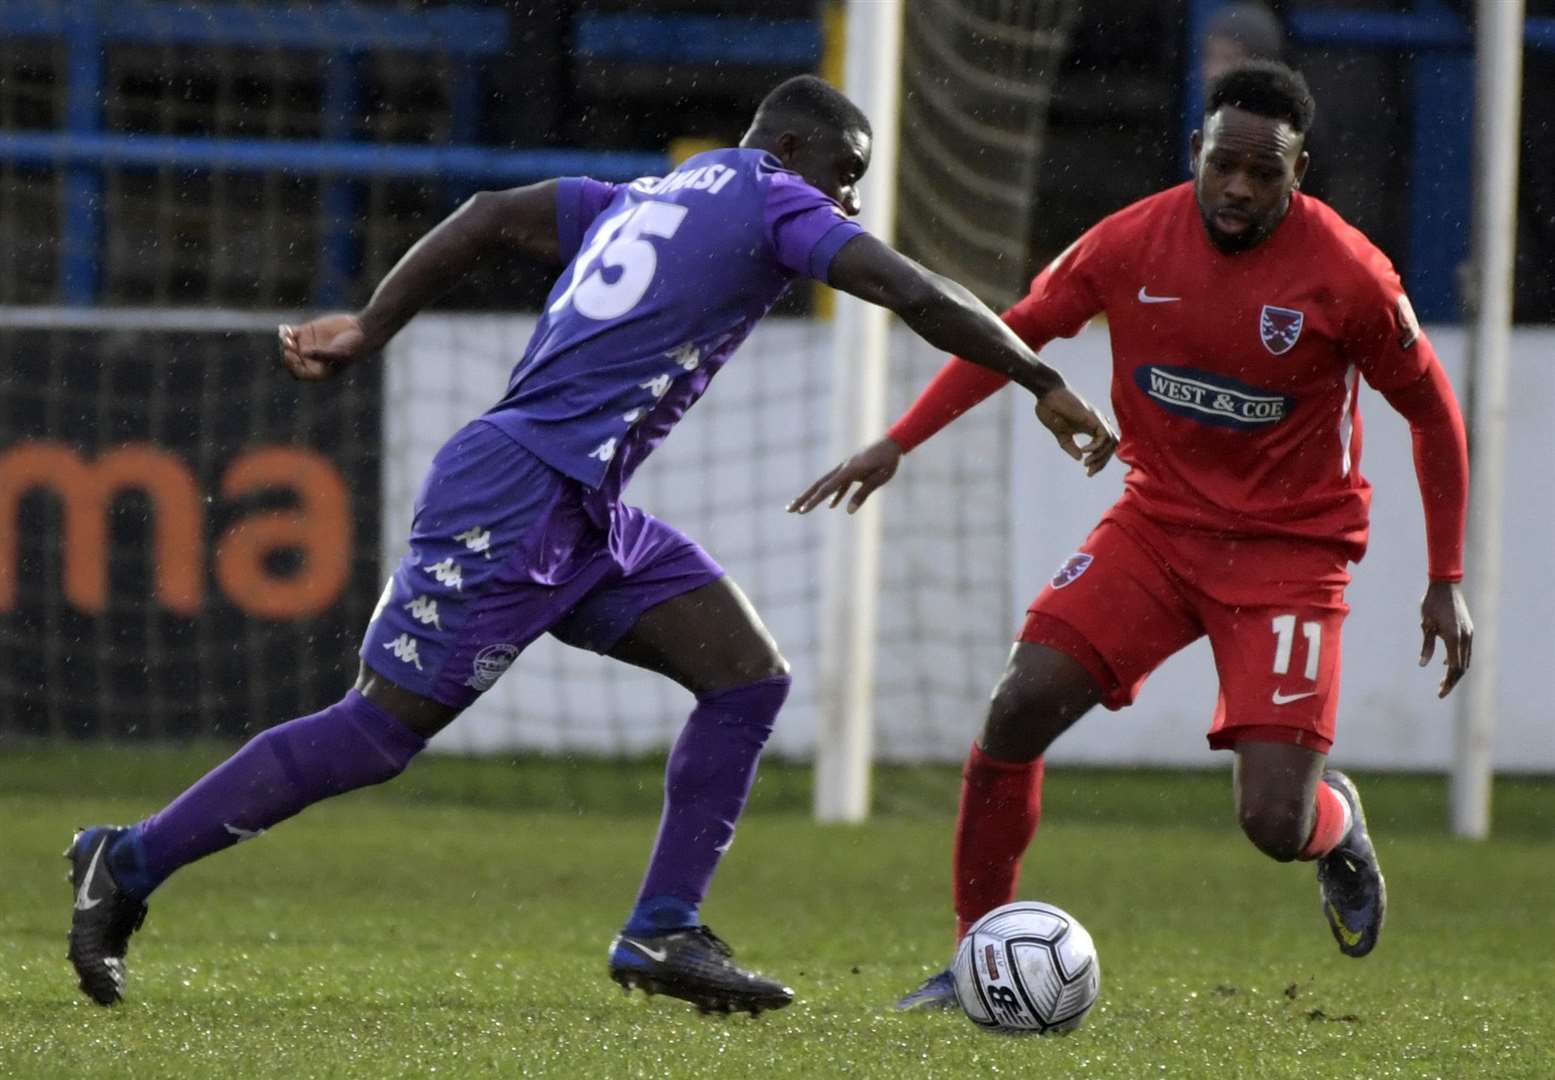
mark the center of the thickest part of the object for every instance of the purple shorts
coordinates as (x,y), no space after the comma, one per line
(504,548)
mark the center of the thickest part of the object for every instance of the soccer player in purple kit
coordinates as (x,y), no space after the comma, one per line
(520,530)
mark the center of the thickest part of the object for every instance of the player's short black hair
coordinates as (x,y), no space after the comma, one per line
(1267,88)
(806,97)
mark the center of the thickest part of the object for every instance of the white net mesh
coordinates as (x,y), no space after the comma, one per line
(977,78)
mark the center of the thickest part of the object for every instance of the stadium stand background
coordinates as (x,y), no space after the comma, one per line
(637,75)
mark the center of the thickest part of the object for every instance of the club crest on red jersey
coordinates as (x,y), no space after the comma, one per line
(1279,328)
(1073,567)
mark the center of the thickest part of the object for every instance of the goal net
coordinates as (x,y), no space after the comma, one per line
(977,77)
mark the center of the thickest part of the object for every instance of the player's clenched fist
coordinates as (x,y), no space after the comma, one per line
(1066,414)
(320,348)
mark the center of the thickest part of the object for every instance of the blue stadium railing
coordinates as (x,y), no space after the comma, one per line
(344,31)
(1441,48)
(699,39)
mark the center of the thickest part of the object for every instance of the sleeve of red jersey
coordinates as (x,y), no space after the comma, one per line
(1396,358)
(1063,298)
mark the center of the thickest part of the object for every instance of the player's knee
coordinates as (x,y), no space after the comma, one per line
(1016,701)
(758,665)
(1276,827)
(1023,719)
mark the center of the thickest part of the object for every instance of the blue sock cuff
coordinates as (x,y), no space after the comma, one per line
(400,742)
(658,914)
(127,863)
(773,690)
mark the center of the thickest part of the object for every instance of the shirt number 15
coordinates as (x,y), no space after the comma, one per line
(620,243)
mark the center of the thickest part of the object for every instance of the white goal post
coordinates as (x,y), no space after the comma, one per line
(1498,76)
(844,738)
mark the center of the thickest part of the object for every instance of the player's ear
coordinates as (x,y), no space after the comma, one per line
(1195,144)
(1301,166)
(787,145)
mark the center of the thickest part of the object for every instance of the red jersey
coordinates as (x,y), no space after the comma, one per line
(1235,376)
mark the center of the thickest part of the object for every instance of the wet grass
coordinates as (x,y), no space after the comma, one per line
(406,933)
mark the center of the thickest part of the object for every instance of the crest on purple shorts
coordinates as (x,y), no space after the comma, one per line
(489,664)
(1279,328)
(1073,567)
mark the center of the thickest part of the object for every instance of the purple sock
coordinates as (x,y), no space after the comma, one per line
(705,786)
(277,773)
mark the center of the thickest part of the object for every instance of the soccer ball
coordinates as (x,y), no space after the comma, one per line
(1027,968)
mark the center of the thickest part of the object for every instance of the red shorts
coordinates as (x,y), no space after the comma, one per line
(1121,605)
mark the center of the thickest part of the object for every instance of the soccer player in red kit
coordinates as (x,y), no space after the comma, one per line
(1242,314)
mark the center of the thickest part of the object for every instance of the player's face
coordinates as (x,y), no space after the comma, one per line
(833,163)
(1245,167)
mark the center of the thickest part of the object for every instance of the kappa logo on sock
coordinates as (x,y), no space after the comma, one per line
(489,664)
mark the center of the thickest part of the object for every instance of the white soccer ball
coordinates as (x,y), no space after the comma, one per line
(1027,968)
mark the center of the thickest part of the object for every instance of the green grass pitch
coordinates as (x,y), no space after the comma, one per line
(455,924)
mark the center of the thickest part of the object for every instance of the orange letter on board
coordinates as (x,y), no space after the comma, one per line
(86,492)
(320,527)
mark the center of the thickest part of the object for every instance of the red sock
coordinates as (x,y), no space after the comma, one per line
(1330,821)
(1001,802)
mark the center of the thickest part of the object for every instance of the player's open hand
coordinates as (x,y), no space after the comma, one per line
(1066,414)
(869,468)
(1444,614)
(322,348)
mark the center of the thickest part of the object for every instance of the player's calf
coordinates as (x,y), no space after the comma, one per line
(1278,828)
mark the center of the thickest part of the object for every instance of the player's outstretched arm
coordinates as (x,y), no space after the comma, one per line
(520,219)
(938,310)
(949,317)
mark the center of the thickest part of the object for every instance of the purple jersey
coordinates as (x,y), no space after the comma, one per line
(666,278)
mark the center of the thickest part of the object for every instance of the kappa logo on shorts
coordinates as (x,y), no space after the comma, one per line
(424,610)
(1073,567)
(489,664)
(1279,327)
(407,649)
(447,572)
(476,539)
